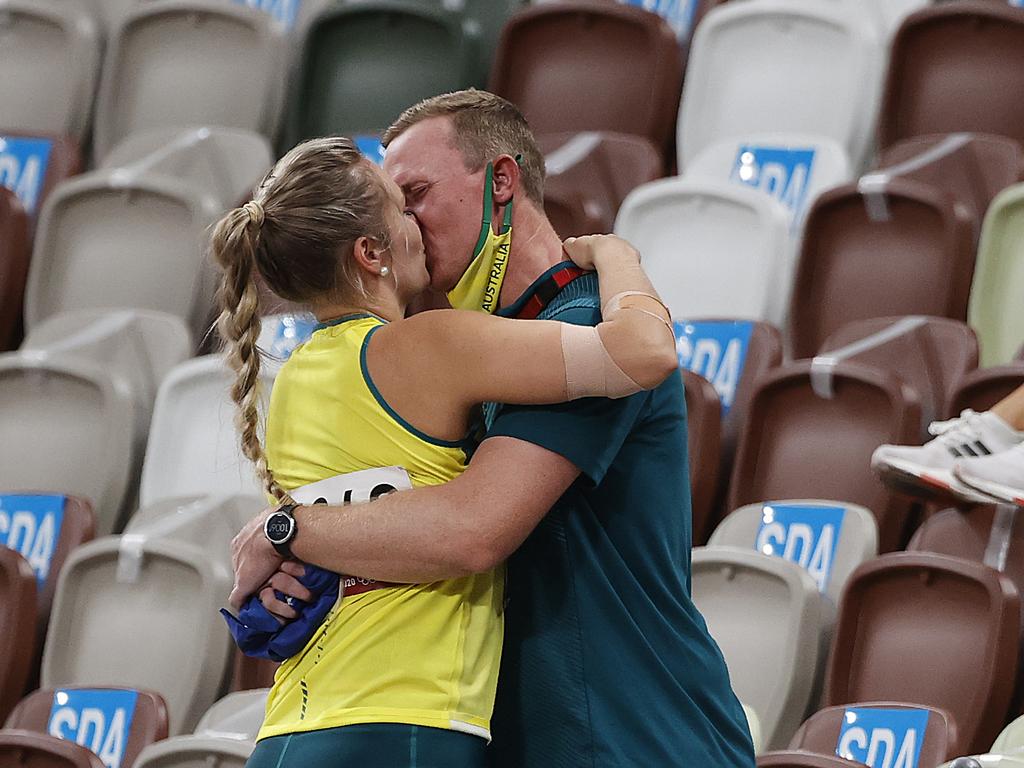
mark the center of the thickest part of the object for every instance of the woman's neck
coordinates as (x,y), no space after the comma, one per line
(389,309)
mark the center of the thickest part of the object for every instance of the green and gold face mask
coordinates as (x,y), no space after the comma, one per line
(480,285)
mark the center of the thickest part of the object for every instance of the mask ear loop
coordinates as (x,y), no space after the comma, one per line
(485,226)
(506,223)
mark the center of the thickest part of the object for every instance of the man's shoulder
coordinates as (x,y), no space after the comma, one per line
(578,303)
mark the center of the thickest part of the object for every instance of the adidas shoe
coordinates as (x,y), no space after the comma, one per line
(1000,475)
(927,470)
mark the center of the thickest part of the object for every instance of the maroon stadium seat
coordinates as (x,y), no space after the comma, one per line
(591,66)
(797,444)
(903,250)
(14,256)
(248,673)
(65,161)
(148,720)
(929,629)
(932,356)
(956,67)
(25,749)
(803,760)
(983,388)
(18,613)
(704,432)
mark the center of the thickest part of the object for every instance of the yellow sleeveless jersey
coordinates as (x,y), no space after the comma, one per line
(418,654)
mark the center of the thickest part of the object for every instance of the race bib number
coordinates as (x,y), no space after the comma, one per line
(99,720)
(31,525)
(283,11)
(23,165)
(782,172)
(883,738)
(678,13)
(371,148)
(354,487)
(805,534)
(716,350)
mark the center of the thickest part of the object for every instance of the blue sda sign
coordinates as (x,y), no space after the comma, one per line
(782,172)
(805,534)
(716,350)
(99,720)
(23,165)
(31,525)
(883,738)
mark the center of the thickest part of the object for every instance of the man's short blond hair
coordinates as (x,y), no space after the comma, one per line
(484,127)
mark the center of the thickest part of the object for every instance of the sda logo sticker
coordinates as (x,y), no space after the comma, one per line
(370,148)
(716,350)
(807,535)
(31,525)
(291,331)
(782,172)
(99,720)
(23,164)
(678,13)
(883,738)
(284,11)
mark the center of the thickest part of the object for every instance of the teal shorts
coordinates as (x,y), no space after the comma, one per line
(377,745)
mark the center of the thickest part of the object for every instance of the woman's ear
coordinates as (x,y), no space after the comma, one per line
(368,255)
(506,179)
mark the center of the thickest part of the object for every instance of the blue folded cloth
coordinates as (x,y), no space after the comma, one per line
(260,635)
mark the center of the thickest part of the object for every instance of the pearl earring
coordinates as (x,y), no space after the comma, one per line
(384,271)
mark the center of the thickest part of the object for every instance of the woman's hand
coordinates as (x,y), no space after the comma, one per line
(589,251)
(253,558)
(286,581)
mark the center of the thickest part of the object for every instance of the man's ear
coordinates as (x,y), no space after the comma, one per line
(368,255)
(506,179)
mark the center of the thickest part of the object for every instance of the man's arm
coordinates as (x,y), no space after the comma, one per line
(468,525)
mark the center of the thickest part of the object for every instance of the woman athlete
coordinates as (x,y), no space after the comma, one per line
(397,675)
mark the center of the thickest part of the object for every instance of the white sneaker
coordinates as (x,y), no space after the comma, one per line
(927,470)
(1000,475)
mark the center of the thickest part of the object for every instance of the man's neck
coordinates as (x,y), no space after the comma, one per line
(535,249)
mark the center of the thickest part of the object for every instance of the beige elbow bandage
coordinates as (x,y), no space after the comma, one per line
(589,370)
(615,303)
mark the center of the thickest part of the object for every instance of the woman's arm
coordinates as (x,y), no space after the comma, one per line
(472,357)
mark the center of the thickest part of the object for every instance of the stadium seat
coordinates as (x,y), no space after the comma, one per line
(769,66)
(116,723)
(115,239)
(792,168)
(193,447)
(363,63)
(712,249)
(899,248)
(14,260)
(45,529)
(228,161)
(810,434)
(50,60)
(732,355)
(981,389)
(850,732)
(829,539)
(18,612)
(887,15)
(65,427)
(194,751)
(754,724)
(31,165)
(803,760)
(248,673)
(589,66)
(137,347)
(38,750)
(973,167)
(982,534)
(775,668)
(995,312)
(930,354)
(704,433)
(142,612)
(489,16)
(589,175)
(907,621)
(956,67)
(188,63)
(237,715)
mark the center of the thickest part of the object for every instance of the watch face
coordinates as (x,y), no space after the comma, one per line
(279,528)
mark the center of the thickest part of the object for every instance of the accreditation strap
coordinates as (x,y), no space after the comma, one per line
(548,289)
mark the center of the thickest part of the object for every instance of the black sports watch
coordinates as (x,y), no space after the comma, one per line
(280,530)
